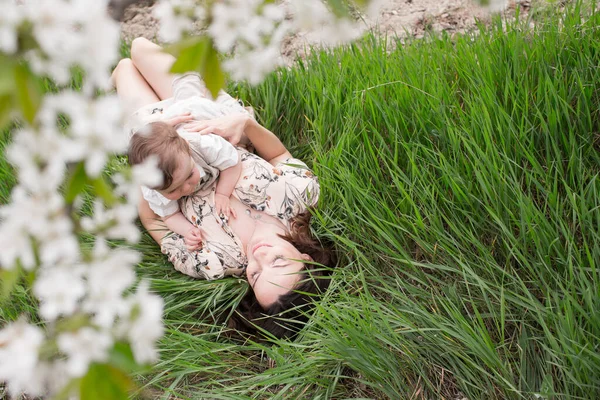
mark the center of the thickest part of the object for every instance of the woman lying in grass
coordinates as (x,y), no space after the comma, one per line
(267,234)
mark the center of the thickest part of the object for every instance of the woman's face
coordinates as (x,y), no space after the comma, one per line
(273,266)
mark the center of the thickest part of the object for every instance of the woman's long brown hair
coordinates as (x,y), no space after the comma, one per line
(285,317)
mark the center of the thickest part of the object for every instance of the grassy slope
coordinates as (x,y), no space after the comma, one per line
(460,180)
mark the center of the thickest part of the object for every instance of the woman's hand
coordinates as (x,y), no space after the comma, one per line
(230,127)
(180,119)
(223,207)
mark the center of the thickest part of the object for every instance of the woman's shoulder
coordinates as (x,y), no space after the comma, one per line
(283,190)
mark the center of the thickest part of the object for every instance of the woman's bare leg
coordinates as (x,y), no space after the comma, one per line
(135,92)
(132,89)
(154,65)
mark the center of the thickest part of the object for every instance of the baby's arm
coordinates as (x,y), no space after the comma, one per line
(225,185)
(191,234)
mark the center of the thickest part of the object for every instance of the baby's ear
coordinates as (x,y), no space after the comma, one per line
(306,257)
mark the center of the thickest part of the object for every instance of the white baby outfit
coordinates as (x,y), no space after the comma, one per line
(211,153)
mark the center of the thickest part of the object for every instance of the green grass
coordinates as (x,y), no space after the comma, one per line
(460,180)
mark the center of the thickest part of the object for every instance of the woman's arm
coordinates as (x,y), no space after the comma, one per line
(233,127)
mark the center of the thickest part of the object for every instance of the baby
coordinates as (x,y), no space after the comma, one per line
(189,162)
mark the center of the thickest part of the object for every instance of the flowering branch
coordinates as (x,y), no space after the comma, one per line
(87,309)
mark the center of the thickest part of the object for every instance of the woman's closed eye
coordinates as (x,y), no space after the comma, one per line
(279,257)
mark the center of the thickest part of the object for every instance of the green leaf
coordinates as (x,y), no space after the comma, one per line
(105,382)
(103,189)
(28,91)
(67,391)
(122,357)
(7,83)
(76,183)
(9,278)
(190,55)
(212,73)
(201,56)
(7,90)
(6,107)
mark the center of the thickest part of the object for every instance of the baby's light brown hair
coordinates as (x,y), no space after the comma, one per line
(162,140)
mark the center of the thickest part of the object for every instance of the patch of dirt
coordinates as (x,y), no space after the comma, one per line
(401,18)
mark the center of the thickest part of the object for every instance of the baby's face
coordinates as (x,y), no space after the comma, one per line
(185,179)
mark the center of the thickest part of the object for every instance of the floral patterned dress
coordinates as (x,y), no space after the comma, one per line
(282,191)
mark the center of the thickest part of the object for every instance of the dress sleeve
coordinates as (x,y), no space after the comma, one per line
(201,264)
(284,190)
(158,203)
(217,257)
(216,151)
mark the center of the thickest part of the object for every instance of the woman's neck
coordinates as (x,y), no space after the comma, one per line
(251,224)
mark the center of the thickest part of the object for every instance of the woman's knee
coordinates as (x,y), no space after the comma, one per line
(124,64)
(140,46)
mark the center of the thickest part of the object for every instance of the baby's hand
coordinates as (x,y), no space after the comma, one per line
(223,207)
(193,239)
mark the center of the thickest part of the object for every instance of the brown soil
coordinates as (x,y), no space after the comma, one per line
(402,18)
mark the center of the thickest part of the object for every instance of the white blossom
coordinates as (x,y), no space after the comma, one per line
(496,5)
(19,346)
(59,290)
(374,7)
(117,222)
(253,65)
(309,14)
(15,239)
(37,157)
(10,19)
(95,128)
(177,17)
(75,32)
(146,173)
(243,21)
(83,347)
(39,217)
(144,326)
(108,276)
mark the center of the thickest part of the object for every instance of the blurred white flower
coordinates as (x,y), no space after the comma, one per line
(117,222)
(108,276)
(59,290)
(308,14)
(324,27)
(84,347)
(95,127)
(19,346)
(146,173)
(144,326)
(374,8)
(495,5)
(248,22)
(40,217)
(37,157)
(15,238)
(177,17)
(10,18)
(75,32)
(253,64)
